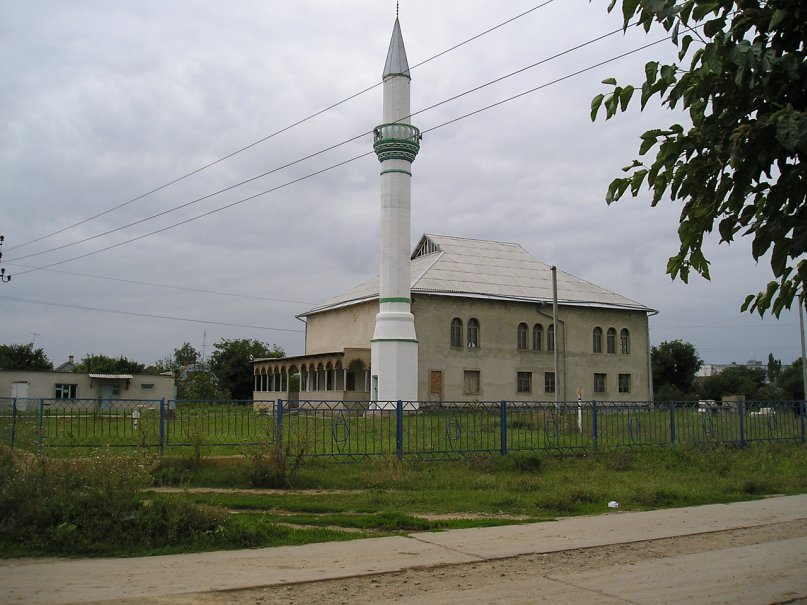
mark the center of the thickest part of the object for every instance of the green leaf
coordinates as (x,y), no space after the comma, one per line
(625,96)
(651,71)
(610,81)
(778,16)
(701,10)
(616,189)
(595,106)
(628,9)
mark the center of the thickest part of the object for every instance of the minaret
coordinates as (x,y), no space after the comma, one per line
(394,348)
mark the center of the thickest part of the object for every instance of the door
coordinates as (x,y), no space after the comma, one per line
(436,385)
(106,392)
(19,391)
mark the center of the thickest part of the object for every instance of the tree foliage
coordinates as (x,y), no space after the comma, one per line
(231,362)
(102,364)
(23,357)
(736,380)
(739,167)
(201,385)
(791,381)
(674,364)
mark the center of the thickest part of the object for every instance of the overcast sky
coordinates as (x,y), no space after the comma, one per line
(104,101)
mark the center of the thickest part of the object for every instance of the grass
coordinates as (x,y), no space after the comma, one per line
(103,506)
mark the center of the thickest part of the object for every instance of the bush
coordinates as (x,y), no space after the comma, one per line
(273,466)
(91,506)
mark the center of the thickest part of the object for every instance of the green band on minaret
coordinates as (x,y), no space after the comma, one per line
(388,171)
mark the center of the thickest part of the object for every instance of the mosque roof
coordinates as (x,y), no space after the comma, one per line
(443,265)
(396,55)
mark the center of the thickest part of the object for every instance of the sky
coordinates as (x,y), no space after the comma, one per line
(105,101)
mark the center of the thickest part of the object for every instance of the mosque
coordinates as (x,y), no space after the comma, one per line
(458,319)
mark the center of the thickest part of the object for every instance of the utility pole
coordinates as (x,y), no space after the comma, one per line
(3,277)
(803,356)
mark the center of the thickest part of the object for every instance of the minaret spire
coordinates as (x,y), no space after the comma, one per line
(394,347)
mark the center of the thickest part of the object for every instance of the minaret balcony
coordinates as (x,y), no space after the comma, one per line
(396,141)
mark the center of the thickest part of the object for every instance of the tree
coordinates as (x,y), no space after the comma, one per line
(102,364)
(732,381)
(23,357)
(674,364)
(774,368)
(740,166)
(791,381)
(185,355)
(200,386)
(231,362)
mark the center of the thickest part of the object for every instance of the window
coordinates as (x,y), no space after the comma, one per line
(610,341)
(521,339)
(549,382)
(456,332)
(473,333)
(471,380)
(598,340)
(624,341)
(147,386)
(537,337)
(550,337)
(599,383)
(66,391)
(525,381)
(624,383)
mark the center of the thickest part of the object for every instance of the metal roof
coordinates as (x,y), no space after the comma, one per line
(113,376)
(454,266)
(396,55)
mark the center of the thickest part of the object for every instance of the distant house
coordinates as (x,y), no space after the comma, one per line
(712,369)
(59,385)
(483,318)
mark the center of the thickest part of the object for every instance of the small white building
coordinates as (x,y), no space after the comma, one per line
(65,386)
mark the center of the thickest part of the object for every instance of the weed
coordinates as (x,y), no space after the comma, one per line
(273,465)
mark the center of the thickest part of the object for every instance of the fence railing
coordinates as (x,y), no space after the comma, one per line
(355,430)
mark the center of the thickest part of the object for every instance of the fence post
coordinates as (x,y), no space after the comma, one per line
(40,436)
(503,424)
(399,430)
(279,424)
(14,421)
(672,422)
(741,412)
(162,423)
(594,423)
(802,410)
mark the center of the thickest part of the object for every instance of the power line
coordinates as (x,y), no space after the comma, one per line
(344,162)
(325,150)
(172,287)
(148,315)
(274,134)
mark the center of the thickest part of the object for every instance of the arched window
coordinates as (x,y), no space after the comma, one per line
(597,340)
(550,337)
(473,333)
(624,341)
(537,337)
(456,332)
(610,341)
(521,339)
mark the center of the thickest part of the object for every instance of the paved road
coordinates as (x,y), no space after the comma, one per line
(501,564)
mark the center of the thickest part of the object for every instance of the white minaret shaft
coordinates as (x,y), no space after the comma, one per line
(394,348)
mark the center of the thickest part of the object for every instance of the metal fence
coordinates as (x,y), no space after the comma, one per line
(354,430)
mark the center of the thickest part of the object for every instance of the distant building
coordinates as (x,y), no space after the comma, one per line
(483,319)
(66,385)
(712,369)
